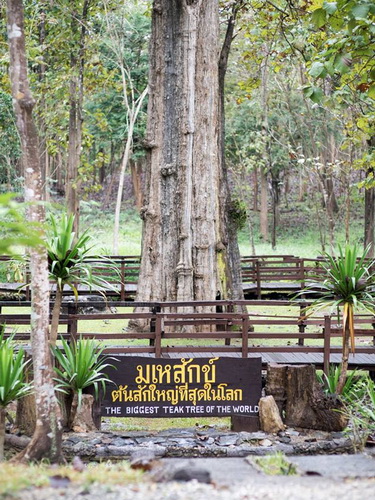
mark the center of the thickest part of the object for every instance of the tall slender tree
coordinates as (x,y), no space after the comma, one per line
(46,441)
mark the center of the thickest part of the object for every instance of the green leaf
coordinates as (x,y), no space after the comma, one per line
(342,63)
(314,93)
(330,7)
(360,11)
(319,17)
(371,91)
(318,70)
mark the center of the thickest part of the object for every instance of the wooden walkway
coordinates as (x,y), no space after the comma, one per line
(356,361)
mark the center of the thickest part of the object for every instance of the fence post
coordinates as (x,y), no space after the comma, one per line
(72,328)
(301,329)
(230,309)
(259,286)
(245,336)
(302,274)
(327,344)
(154,310)
(27,288)
(158,334)
(122,279)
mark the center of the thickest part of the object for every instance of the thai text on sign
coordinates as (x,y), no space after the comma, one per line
(183,387)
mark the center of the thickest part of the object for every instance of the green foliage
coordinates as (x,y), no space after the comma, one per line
(349,280)
(80,365)
(10,149)
(238,213)
(12,369)
(359,407)
(276,465)
(330,381)
(348,283)
(15,231)
(69,260)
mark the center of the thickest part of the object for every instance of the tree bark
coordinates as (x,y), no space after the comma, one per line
(263,204)
(56,316)
(77,63)
(132,111)
(184,252)
(369,225)
(344,359)
(2,432)
(234,288)
(46,442)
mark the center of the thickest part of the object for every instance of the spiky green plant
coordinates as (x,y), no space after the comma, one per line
(12,380)
(70,263)
(349,284)
(359,408)
(329,381)
(79,365)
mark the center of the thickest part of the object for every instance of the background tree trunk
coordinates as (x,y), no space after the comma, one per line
(77,64)
(46,442)
(184,254)
(233,287)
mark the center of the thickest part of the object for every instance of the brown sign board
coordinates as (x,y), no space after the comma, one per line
(187,387)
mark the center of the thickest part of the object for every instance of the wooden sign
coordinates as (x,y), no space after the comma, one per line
(188,387)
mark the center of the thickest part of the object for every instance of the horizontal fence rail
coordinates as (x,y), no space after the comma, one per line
(197,329)
(264,273)
(256,271)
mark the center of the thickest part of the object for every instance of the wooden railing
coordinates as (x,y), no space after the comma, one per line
(256,270)
(195,329)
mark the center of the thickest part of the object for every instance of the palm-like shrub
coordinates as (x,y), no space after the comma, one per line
(348,284)
(79,365)
(12,380)
(69,262)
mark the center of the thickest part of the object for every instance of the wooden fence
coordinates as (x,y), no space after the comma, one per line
(198,329)
(259,274)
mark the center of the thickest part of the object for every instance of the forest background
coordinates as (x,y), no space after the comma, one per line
(299,103)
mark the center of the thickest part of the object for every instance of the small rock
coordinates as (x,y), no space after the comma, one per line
(269,415)
(59,481)
(285,439)
(265,443)
(78,465)
(142,459)
(228,440)
(292,432)
(189,473)
(337,435)
(122,442)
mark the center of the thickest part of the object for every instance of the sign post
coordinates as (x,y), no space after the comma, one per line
(187,387)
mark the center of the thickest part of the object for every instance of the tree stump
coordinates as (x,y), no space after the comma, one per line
(81,417)
(306,405)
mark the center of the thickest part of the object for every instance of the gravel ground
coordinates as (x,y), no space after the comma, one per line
(283,488)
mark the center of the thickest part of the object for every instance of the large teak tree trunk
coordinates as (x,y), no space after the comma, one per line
(184,250)
(46,441)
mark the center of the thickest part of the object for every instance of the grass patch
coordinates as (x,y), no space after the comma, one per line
(164,424)
(275,465)
(17,477)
